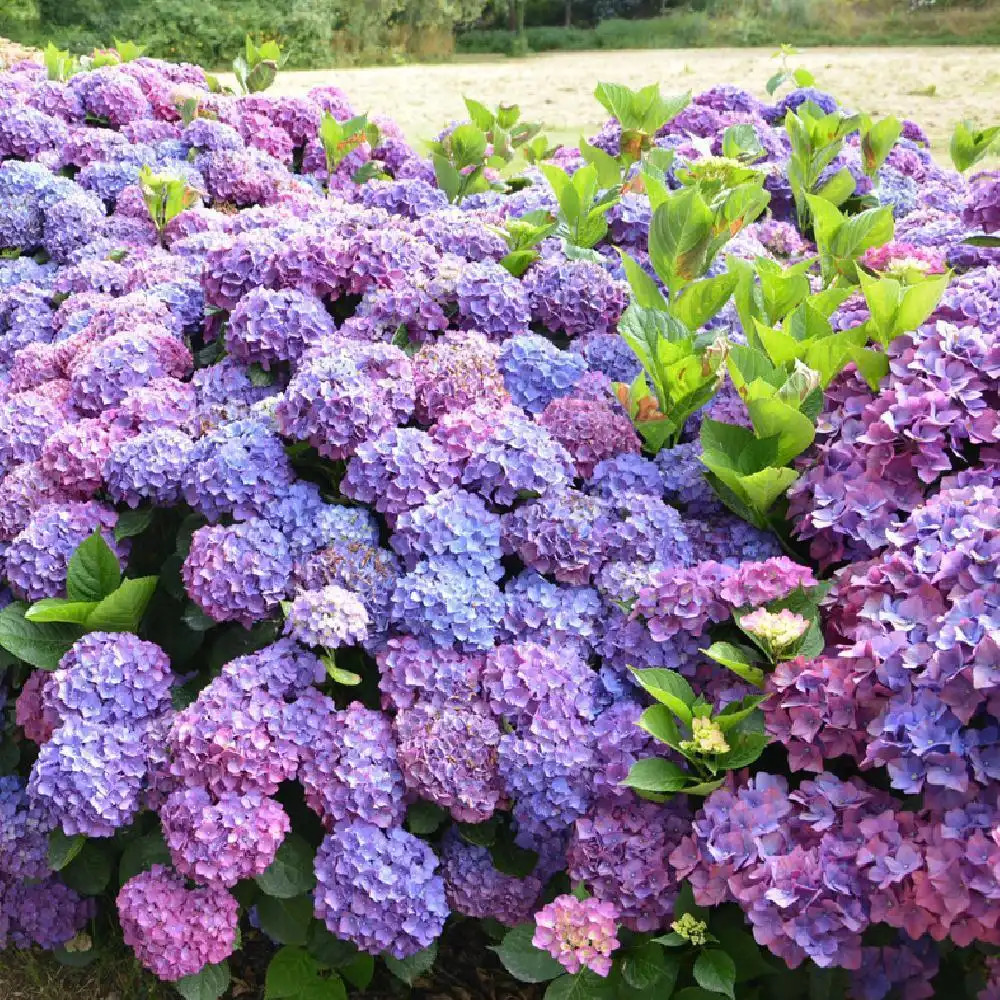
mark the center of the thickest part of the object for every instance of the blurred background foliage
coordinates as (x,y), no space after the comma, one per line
(318,33)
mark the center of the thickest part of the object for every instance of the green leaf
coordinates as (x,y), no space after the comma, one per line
(679,235)
(424,817)
(877,143)
(739,141)
(646,965)
(63,849)
(90,871)
(122,610)
(609,173)
(860,232)
(736,711)
(668,688)
(289,972)
(653,774)
(93,570)
(141,854)
(523,960)
(329,950)
(715,971)
(409,970)
(658,721)
(745,748)
(467,144)
(775,82)
(764,487)
(743,661)
(285,919)
(513,860)
(585,985)
(57,609)
(481,115)
(41,644)
(838,188)
(291,872)
(970,144)
(645,291)
(133,522)
(685,903)
(360,971)
(744,951)
(701,300)
(209,984)
(695,993)
(919,301)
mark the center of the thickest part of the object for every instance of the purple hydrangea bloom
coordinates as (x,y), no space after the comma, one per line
(454,524)
(237,573)
(412,671)
(268,326)
(982,207)
(38,557)
(397,471)
(24,833)
(388,876)
(149,467)
(89,776)
(566,533)
(46,913)
(456,371)
(348,767)
(503,455)
(590,429)
(539,610)
(627,473)
(474,887)
(112,678)
(575,297)
(448,756)
(227,740)
(330,617)
(236,470)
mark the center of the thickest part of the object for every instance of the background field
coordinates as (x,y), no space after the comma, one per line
(934,86)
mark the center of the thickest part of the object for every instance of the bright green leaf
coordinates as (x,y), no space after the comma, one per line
(523,960)
(93,570)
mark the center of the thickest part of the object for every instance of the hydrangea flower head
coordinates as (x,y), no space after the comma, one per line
(578,933)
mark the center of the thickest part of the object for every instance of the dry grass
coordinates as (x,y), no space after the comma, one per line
(34,975)
(557,88)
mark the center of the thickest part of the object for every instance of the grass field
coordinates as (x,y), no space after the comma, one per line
(934,86)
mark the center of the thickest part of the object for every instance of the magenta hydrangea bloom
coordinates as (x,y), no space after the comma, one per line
(578,933)
(221,841)
(175,931)
(590,429)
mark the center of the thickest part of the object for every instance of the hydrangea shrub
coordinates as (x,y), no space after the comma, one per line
(600,543)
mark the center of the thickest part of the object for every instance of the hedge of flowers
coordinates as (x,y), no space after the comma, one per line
(597,543)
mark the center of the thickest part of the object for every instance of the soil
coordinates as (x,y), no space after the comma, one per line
(934,86)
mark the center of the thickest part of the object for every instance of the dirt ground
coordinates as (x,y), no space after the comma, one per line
(934,86)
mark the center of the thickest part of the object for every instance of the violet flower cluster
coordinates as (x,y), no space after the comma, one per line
(381,442)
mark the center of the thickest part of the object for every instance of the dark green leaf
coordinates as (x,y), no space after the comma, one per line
(744,951)
(63,849)
(285,920)
(196,619)
(646,964)
(141,854)
(42,644)
(424,817)
(360,971)
(714,970)
(744,750)
(409,970)
(291,872)
(209,984)
(585,985)
(289,972)
(133,522)
(523,960)
(480,834)
(513,860)
(90,871)
(93,571)
(324,989)
(330,950)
